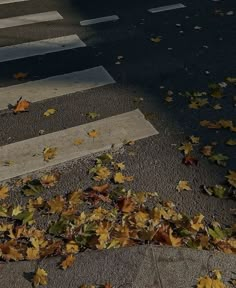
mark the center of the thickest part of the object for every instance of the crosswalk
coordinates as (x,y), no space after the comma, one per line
(27,156)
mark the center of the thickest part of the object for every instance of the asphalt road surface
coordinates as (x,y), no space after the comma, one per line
(193,46)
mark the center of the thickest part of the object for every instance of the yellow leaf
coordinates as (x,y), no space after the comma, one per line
(49,112)
(169,99)
(231,142)
(40,277)
(196,223)
(186,148)
(78,141)
(49,180)
(75,197)
(56,204)
(183,185)
(4,192)
(93,133)
(32,253)
(49,153)
(156,39)
(175,241)
(207,150)
(68,262)
(72,247)
(231,79)
(141,219)
(120,178)
(194,139)
(9,252)
(102,174)
(21,106)
(232,178)
(120,166)
(17,210)
(20,75)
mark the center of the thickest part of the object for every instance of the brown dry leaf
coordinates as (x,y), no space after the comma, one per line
(40,277)
(32,253)
(186,148)
(93,133)
(9,252)
(49,153)
(183,185)
(49,180)
(78,141)
(68,262)
(207,150)
(190,160)
(57,204)
(4,192)
(72,247)
(126,205)
(101,189)
(20,75)
(210,125)
(21,106)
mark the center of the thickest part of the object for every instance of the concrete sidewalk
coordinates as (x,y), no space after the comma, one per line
(144,266)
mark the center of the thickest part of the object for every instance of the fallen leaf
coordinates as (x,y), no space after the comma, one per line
(68,262)
(183,185)
(102,173)
(32,253)
(207,150)
(232,178)
(92,115)
(231,142)
(40,277)
(169,99)
(49,180)
(49,112)
(194,139)
(231,80)
(57,204)
(198,103)
(217,190)
(101,189)
(186,148)
(4,190)
(93,134)
(78,141)
(190,160)
(17,210)
(220,159)
(72,247)
(20,75)
(32,188)
(156,39)
(217,107)
(126,204)
(196,223)
(49,153)
(21,106)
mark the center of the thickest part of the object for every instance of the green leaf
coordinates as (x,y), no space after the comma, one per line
(217,190)
(3,211)
(220,159)
(32,188)
(217,233)
(58,227)
(25,217)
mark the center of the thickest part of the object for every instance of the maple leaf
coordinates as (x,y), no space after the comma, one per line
(211,282)
(92,115)
(207,150)
(232,178)
(196,222)
(68,262)
(217,190)
(169,99)
(120,178)
(186,148)
(20,75)
(198,103)
(141,218)
(217,93)
(4,190)
(194,139)
(49,153)
(26,217)
(49,112)
(72,247)
(102,188)
(75,197)
(93,133)
(57,204)
(40,277)
(119,166)
(156,39)
(220,159)
(32,188)
(32,253)
(190,160)
(78,141)
(231,142)
(49,180)
(17,210)
(102,173)
(183,185)
(126,204)
(8,252)
(21,106)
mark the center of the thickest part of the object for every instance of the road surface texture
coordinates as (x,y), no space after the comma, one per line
(119,66)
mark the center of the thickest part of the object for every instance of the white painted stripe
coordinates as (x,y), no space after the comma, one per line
(30,19)
(166,8)
(56,86)
(27,155)
(11,1)
(41,47)
(99,20)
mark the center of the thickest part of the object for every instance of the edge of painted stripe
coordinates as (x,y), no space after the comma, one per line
(99,20)
(11,1)
(59,85)
(166,8)
(40,47)
(27,155)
